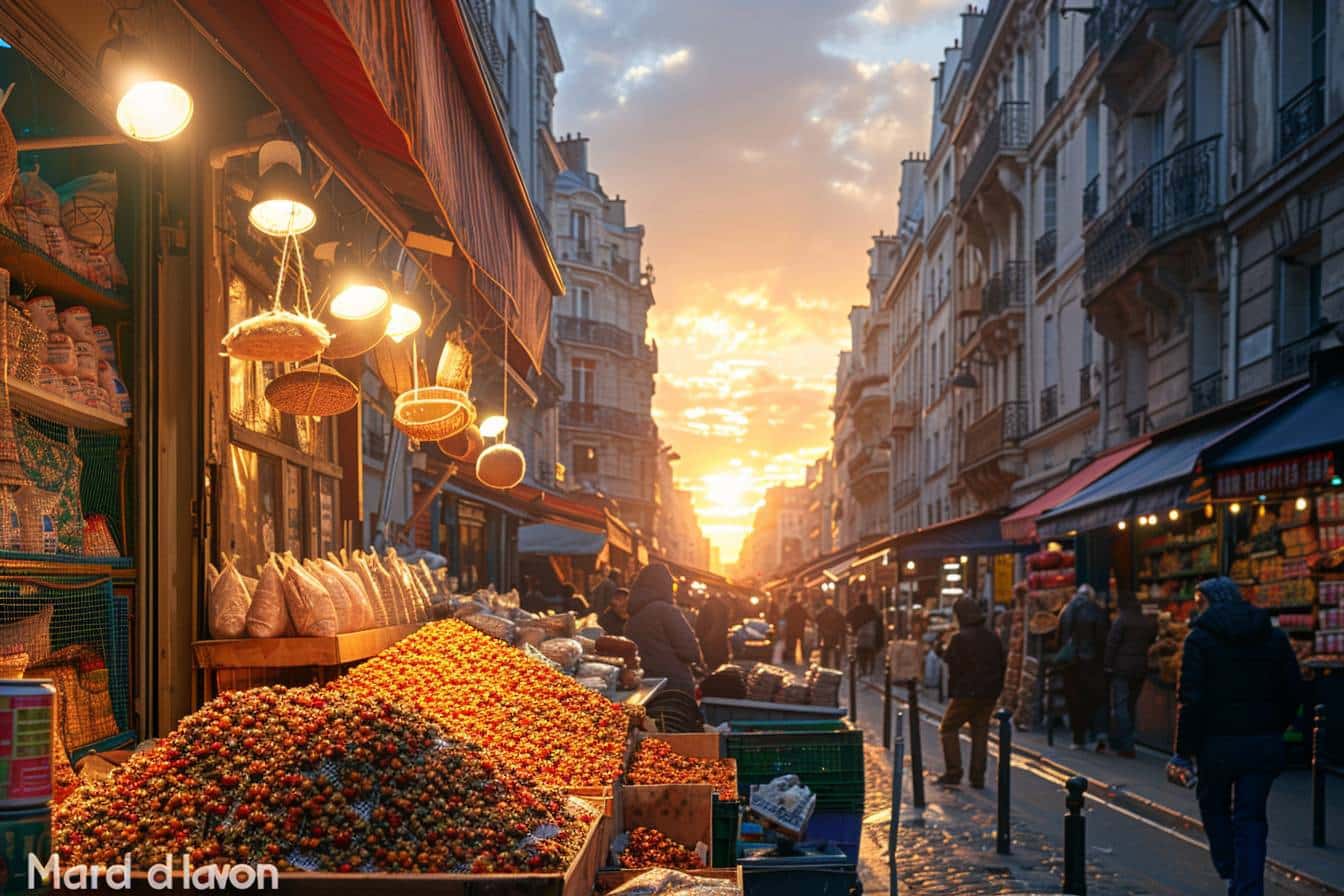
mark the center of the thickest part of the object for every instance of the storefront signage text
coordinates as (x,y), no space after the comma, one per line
(1284,475)
(171,874)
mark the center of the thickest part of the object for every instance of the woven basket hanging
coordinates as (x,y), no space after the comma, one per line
(276,334)
(313,390)
(395,365)
(9,152)
(465,446)
(454,370)
(430,413)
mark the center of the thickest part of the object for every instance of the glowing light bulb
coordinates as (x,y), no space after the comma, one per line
(491,427)
(360,301)
(403,322)
(1173,514)
(1235,508)
(1120,525)
(1300,504)
(153,111)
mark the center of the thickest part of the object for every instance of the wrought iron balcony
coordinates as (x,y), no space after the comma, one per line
(1008,132)
(1292,359)
(1206,392)
(1302,116)
(1173,196)
(999,430)
(1005,290)
(480,16)
(1051,93)
(593,332)
(1049,405)
(1092,198)
(1085,384)
(596,416)
(1117,19)
(1045,251)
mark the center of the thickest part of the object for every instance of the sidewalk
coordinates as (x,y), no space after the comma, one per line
(1143,780)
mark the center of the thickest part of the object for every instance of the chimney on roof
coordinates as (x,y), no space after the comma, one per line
(574,150)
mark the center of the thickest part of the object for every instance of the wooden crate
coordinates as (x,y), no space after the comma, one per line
(578,880)
(684,812)
(610,880)
(607,797)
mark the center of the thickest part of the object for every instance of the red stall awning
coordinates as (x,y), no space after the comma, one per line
(1020,525)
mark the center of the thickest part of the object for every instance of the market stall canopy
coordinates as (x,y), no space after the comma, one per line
(394,96)
(977,534)
(1020,525)
(1293,444)
(1153,481)
(553,539)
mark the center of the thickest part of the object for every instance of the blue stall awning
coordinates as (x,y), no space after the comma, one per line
(553,539)
(976,535)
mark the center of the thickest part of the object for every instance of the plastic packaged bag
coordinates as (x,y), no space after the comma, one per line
(495,626)
(309,604)
(610,674)
(268,617)
(564,652)
(340,598)
(670,882)
(228,603)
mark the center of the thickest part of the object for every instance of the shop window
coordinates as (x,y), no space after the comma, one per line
(585,461)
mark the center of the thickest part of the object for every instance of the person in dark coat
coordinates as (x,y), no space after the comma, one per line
(711,627)
(975,664)
(667,646)
(616,614)
(533,600)
(865,624)
(831,629)
(603,590)
(1239,691)
(795,619)
(1126,662)
(1082,623)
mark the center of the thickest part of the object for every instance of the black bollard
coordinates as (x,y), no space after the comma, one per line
(1318,777)
(886,704)
(916,749)
(1075,839)
(894,828)
(1004,840)
(853,690)
(1048,698)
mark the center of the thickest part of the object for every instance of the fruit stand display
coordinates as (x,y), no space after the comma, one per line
(1173,559)
(673,785)
(1050,582)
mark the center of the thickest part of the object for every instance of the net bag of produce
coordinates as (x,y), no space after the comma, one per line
(228,603)
(267,617)
(564,652)
(309,604)
(393,598)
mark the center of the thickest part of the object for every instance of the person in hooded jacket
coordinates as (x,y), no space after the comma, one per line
(668,647)
(1239,690)
(711,627)
(1132,633)
(1082,624)
(975,663)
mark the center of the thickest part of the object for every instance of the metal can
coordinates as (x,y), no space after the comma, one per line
(26,720)
(23,833)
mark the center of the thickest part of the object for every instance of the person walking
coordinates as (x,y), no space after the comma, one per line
(1082,635)
(668,647)
(711,627)
(1126,664)
(831,629)
(617,613)
(1239,690)
(795,623)
(601,593)
(975,663)
(866,625)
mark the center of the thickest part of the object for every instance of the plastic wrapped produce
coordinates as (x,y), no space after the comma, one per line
(340,598)
(310,606)
(267,617)
(382,616)
(565,652)
(361,610)
(532,634)
(593,683)
(670,882)
(631,678)
(615,645)
(610,674)
(229,603)
(494,626)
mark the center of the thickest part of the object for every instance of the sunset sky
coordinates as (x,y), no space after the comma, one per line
(759,142)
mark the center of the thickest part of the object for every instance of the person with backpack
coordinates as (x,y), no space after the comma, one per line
(976,663)
(865,623)
(1082,656)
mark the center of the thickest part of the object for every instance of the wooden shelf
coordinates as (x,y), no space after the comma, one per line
(1182,574)
(58,409)
(34,268)
(286,653)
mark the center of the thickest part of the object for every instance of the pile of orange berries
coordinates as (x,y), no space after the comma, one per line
(648,848)
(656,762)
(523,714)
(313,779)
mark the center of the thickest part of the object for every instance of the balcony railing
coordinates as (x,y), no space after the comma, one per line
(1000,429)
(1092,198)
(597,416)
(1008,131)
(1085,384)
(1045,250)
(1174,194)
(1118,17)
(1292,359)
(1206,392)
(1005,290)
(593,332)
(1302,116)
(1136,422)
(480,14)
(1049,405)
(1051,93)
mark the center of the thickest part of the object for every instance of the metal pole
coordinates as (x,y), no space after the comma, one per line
(894,827)
(853,689)
(1318,777)
(886,703)
(1075,839)
(1003,842)
(1048,698)
(916,748)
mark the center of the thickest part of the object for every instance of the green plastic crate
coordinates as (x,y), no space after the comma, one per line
(828,762)
(725,833)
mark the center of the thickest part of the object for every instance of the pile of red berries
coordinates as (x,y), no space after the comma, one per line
(523,714)
(314,779)
(656,762)
(648,848)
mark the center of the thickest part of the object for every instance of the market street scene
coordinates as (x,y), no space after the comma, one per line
(697,448)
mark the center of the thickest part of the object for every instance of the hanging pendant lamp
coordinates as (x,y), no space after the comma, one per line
(151,106)
(282,204)
(502,466)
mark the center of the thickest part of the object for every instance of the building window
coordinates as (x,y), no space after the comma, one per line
(578,227)
(583,380)
(583,302)
(1299,314)
(585,460)
(1301,71)
(1050,207)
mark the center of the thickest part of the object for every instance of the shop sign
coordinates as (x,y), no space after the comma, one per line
(1287,474)
(1003,579)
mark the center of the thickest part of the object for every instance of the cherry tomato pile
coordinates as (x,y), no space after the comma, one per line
(523,714)
(656,762)
(314,779)
(648,848)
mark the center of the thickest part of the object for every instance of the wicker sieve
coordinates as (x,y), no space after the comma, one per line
(313,390)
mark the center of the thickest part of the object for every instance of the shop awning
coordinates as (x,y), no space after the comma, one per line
(553,539)
(1020,525)
(978,534)
(836,571)
(1153,481)
(393,94)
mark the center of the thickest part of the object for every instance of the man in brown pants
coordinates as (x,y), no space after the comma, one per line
(975,664)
